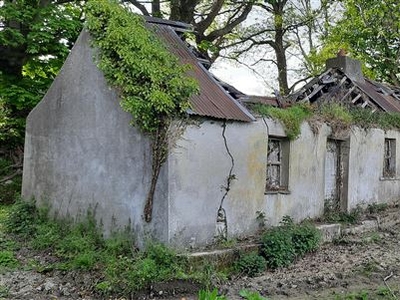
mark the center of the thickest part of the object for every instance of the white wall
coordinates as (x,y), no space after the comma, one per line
(199,165)
(366,183)
(305,197)
(198,170)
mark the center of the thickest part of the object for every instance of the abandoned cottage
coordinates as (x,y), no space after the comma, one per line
(227,167)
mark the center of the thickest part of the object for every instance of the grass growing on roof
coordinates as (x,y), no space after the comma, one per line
(291,117)
(337,116)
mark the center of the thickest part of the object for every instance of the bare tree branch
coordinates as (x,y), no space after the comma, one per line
(230,26)
(139,6)
(204,24)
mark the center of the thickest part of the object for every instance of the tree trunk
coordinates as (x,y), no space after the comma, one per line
(159,148)
(155,9)
(280,51)
(183,10)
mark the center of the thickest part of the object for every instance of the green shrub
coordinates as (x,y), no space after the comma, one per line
(306,238)
(4,292)
(277,247)
(281,245)
(21,218)
(47,234)
(250,264)
(7,259)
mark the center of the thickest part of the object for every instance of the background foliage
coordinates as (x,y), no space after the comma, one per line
(369,31)
(34,43)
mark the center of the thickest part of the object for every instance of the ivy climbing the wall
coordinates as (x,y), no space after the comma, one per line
(152,84)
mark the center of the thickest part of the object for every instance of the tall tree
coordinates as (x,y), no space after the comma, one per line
(285,29)
(35,38)
(369,31)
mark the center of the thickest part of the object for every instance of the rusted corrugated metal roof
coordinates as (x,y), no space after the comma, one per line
(213,100)
(260,99)
(336,85)
(381,94)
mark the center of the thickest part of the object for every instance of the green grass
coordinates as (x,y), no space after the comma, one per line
(291,117)
(8,260)
(122,267)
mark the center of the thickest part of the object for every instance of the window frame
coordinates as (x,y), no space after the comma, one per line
(281,163)
(389,159)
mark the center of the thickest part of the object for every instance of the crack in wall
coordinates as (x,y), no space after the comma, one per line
(222,222)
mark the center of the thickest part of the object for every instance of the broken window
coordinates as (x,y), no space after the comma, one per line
(277,165)
(389,160)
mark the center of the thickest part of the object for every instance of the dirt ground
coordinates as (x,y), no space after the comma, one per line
(366,263)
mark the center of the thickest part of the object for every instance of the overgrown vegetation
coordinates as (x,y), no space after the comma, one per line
(333,214)
(337,116)
(35,39)
(291,117)
(250,264)
(152,83)
(283,244)
(81,247)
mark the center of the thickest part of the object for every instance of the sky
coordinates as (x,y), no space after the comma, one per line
(240,77)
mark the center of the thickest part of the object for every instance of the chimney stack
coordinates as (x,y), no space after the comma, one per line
(351,67)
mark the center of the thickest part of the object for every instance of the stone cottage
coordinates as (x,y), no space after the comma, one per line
(227,168)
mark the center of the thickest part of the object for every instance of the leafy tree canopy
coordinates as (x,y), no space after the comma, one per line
(35,39)
(370,32)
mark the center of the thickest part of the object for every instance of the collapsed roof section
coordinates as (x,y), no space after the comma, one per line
(344,83)
(213,100)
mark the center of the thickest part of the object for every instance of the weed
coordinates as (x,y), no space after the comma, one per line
(250,264)
(282,244)
(8,260)
(261,219)
(334,215)
(120,244)
(228,243)
(210,295)
(374,208)
(385,292)
(20,218)
(336,116)
(250,295)
(371,237)
(305,238)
